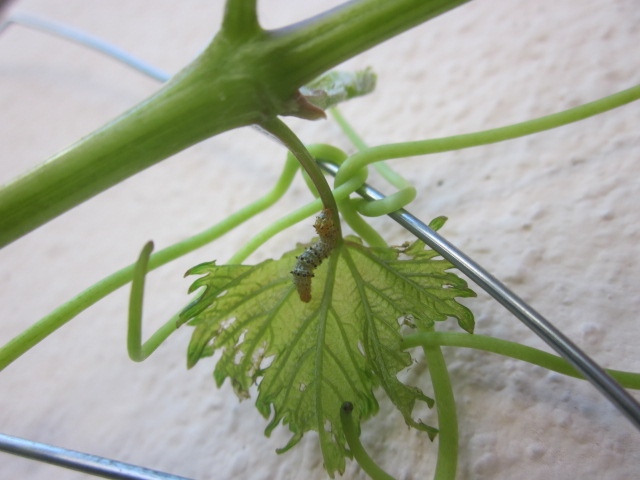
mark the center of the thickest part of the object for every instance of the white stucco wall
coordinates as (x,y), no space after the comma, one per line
(553,215)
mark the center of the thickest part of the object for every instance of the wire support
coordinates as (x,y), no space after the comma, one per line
(87,40)
(79,461)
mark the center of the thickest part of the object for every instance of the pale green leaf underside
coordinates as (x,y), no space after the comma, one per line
(309,358)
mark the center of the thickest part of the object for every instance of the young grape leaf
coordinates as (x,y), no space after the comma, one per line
(307,359)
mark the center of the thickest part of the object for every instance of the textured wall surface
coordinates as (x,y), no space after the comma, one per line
(553,215)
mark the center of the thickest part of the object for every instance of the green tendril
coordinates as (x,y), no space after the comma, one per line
(513,350)
(138,351)
(383,168)
(375,155)
(352,435)
(406,192)
(485,137)
(447,462)
(322,152)
(64,313)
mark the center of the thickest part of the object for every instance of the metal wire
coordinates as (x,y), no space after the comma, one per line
(82,462)
(87,40)
(611,389)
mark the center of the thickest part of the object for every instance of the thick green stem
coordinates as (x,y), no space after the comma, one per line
(243,77)
(178,116)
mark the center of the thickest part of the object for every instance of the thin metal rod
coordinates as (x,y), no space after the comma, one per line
(82,462)
(107,468)
(83,38)
(611,389)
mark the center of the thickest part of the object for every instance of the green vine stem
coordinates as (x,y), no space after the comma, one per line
(243,77)
(447,463)
(352,435)
(513,350)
